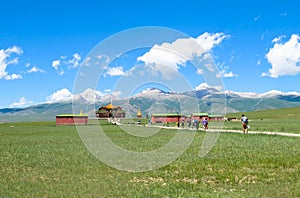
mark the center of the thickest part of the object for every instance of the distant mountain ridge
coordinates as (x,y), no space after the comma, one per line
(154,100)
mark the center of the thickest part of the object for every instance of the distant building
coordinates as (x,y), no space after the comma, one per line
(72,119)
(232,119)
(212,117)
(216,117)
(110,111)
(139,114)
(175,117)
(199,116)
(163,118)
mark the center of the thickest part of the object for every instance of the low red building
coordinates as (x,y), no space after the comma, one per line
(211,117)
(163,118)
(71,119)
(199,116)
(216,117)
(174,117)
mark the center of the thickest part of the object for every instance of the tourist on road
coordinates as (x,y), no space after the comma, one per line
(205,123)
(197,124)
(244,120)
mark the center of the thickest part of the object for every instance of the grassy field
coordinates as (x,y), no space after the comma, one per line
(42,160)
(277,120)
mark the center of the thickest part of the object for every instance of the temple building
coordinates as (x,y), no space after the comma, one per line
(110,111)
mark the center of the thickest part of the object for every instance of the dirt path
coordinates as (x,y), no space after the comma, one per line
(235,131)
(257,132)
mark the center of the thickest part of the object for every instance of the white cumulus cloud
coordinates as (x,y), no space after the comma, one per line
(13,77)
(23,102)
(56,64)
(35,69)
(60,96)
(74,62)
(224,73)
(278,39)
(14,50)
(284,57)
(168,57)
(208,41)
(6,59)
(64,62)
(115,71)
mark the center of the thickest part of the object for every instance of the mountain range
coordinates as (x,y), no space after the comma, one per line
(152,100)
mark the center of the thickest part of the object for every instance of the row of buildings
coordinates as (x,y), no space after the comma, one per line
(117,112)
(176,117)
(110,111)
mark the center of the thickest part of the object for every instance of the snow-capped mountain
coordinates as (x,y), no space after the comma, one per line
(203,90)
(156,93)
(155,100)
(242,94)
(89,95)
(268,94)
(94,96)
(150,92)
(280,94)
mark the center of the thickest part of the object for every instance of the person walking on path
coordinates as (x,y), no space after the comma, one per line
(189,123)
(205,124)
(197,124)
(244,120)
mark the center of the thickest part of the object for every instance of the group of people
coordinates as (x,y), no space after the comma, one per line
(194,123)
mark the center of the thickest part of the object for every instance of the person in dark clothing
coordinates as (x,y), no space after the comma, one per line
(205,123)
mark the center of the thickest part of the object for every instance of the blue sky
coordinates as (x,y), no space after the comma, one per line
(43,43)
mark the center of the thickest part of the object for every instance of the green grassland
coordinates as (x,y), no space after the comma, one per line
(277,120)
(43,160)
